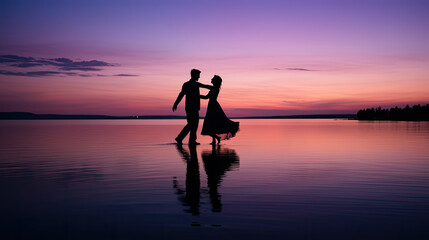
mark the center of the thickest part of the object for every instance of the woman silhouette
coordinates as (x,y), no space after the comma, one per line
(216,123)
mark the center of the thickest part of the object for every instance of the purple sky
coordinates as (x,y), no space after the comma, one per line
(276,57)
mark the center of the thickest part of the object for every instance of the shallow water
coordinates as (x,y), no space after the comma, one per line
(296,179)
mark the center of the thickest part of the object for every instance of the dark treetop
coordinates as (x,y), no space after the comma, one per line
(415,113)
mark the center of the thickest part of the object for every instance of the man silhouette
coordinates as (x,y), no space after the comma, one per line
(190,89)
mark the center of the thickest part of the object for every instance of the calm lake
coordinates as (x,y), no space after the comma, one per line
(277,179)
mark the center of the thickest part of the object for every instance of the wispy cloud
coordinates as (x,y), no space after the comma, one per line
(62,63)
(14,58)
(85,69)
(26,65)
(125,75)
(77,74)
(295,69)
(30,74)
(328,104)
(59,66)
(117,75)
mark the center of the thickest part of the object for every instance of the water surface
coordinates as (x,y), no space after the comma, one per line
(296,179)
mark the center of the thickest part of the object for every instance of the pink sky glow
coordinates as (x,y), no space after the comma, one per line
(275,57)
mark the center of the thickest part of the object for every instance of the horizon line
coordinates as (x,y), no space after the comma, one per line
(29,115)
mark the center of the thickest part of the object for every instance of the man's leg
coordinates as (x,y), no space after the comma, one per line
(183,133)
(193,118)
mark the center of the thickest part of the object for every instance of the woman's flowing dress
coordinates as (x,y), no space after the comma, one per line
(216,122)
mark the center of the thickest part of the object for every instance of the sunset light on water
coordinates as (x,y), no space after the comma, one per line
(313,179)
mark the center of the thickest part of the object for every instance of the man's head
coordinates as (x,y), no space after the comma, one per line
(195,74)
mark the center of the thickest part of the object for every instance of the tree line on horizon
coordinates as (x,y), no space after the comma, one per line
(415,113)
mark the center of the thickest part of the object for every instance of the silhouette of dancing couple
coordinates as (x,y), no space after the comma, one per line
(216,123)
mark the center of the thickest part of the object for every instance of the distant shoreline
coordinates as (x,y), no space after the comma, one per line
(32,116)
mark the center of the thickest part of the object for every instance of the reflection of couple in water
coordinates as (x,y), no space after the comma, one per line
(216,123)
(217,162)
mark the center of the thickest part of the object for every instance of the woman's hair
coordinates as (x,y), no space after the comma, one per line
(217,81)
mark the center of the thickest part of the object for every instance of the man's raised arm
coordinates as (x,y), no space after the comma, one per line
(205,86)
